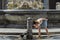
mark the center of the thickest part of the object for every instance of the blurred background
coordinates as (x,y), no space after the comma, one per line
(19,21)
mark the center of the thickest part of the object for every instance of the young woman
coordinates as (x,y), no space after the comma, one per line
(41,22)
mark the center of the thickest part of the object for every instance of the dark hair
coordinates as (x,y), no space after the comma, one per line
(34,22)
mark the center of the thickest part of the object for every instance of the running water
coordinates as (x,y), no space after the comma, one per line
(6,37)
(17,37)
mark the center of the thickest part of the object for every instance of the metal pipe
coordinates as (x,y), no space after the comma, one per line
(29,28)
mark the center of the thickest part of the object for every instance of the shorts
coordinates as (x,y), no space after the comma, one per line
(44,24)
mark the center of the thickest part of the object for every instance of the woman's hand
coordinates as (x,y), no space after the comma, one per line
(36,26)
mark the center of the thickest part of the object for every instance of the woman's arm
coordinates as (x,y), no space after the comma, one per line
(44,19)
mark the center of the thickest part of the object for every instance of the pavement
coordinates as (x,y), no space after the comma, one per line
(35,37)
(14,30)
